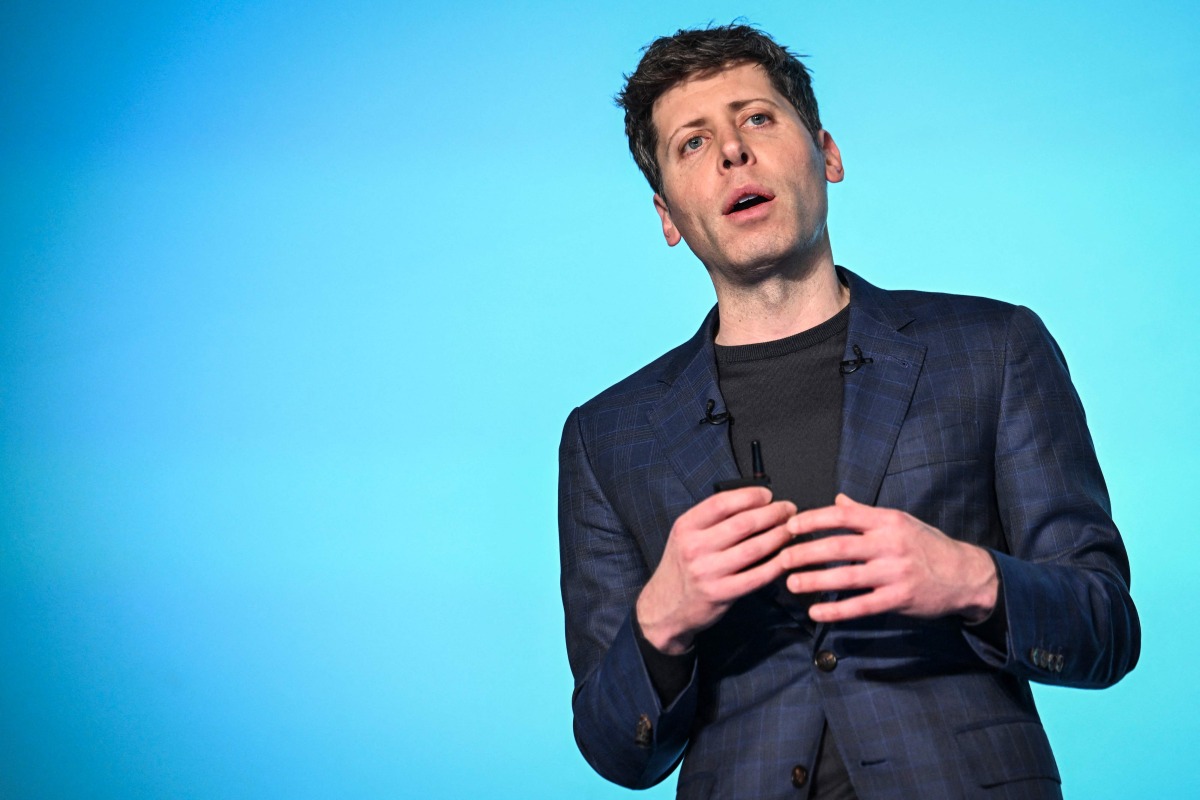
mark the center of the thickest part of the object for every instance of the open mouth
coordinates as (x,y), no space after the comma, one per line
(746,201)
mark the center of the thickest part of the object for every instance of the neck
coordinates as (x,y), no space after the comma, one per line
(780,305)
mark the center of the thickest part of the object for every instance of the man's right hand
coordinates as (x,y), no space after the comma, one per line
(717,551)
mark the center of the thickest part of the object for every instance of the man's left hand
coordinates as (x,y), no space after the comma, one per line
(906,566)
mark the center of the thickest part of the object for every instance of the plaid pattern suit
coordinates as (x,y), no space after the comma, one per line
(966,418)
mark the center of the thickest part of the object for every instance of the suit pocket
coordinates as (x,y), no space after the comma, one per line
(929,440)
(1008,750)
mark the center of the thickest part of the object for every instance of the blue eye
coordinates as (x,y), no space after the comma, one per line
(758,119)
(693,143)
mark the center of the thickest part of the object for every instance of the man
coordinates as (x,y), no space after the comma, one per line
(936,533)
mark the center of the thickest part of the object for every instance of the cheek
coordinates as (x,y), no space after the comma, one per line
(683,213)
(685,225)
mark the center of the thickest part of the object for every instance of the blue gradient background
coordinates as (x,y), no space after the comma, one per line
(296,297)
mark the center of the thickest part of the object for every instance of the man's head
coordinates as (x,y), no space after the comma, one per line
(740,167)
(670,60)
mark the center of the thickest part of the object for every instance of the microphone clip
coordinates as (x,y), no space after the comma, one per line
(846,367)
(714,419)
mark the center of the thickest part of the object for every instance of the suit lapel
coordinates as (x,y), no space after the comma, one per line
(699,452)
(876,396)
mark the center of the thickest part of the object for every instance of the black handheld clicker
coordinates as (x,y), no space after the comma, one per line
(757,478)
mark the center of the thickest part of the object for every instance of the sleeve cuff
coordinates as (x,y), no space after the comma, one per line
(669,674)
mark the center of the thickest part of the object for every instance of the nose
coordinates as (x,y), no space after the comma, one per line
(734,152)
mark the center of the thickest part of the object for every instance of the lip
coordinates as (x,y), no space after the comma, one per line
(742,191)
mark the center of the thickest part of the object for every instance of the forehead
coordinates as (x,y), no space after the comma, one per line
(705,94)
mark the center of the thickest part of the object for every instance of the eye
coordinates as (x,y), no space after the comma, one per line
(757,120)
(693,143)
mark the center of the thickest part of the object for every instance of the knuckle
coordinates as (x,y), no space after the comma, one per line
(708,593)
(851,577)
(719,503)
(760,546)
(782,509)
(682,528)
(694,570)
(745,523)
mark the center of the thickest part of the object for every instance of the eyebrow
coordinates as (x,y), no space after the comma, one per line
(735,105)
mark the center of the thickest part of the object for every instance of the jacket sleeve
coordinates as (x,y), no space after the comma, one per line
(620,725)
(1065,576)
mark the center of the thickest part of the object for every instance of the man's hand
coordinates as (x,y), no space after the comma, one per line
(712,558)
(908,567)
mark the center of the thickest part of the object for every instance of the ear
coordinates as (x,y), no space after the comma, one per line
(670,233)
(833,157)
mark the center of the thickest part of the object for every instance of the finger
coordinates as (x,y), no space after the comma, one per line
(834,579)
(750,551)
(745,524)
(818,519)
(732,573)
(879,601)
(845,513)
(749,580)
(826,550)
(722,505)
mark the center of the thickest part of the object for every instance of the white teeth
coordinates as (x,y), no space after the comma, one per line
(744,199)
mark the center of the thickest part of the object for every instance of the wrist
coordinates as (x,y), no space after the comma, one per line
(983,586)
(657,632)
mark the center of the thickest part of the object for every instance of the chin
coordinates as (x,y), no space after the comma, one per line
(761,259)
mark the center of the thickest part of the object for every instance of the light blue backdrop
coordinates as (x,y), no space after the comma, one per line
(296,297)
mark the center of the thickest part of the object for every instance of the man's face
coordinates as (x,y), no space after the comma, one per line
(744,180)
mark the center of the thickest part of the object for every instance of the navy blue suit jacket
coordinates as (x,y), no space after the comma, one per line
(967,419)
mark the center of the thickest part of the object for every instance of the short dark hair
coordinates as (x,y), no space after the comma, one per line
(670,60)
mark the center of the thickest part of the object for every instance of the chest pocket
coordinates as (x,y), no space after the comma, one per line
(937,439)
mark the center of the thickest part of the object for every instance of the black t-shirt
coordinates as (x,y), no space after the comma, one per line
(787,395)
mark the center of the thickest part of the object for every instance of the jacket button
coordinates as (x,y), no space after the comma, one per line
(825,661)
(799,776)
